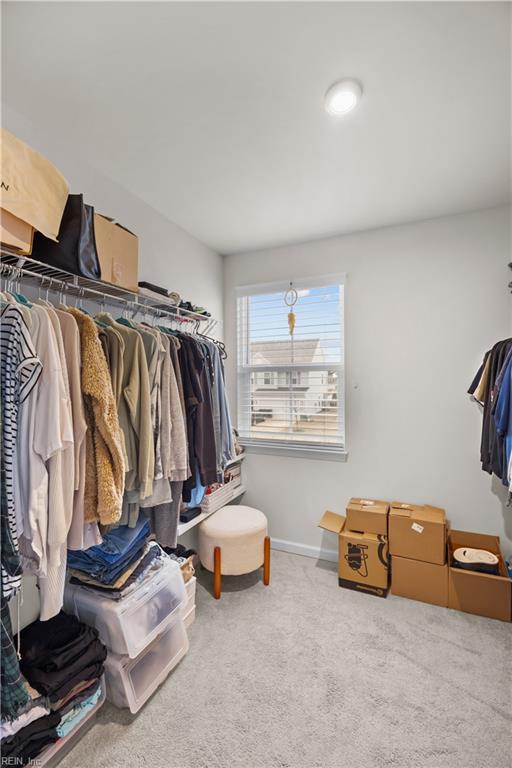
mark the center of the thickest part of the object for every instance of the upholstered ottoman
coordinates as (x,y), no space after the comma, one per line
(232,541)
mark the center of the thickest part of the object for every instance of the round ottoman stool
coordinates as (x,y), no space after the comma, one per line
(232,541)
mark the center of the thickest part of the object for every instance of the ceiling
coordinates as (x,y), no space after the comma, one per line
(213,112)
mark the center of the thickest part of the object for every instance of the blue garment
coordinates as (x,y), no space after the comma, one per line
(106,572)
(119,540)
(197,493)
(108,560)
(503,417)
(72,718)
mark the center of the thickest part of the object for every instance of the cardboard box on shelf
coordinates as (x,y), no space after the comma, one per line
(481,593)
(363,563)
(417,580)
(417,532)
(370,516)
(15,234)
(118,253)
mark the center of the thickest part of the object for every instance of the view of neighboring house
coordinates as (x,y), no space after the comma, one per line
(286,396)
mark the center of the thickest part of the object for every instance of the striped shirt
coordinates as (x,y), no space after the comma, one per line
(19,372)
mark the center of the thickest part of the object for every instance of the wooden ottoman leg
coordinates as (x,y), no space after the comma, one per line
(266,562)
(216,573)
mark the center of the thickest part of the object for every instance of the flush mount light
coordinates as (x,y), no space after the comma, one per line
(343,97)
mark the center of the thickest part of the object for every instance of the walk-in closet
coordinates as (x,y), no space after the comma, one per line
(256,384)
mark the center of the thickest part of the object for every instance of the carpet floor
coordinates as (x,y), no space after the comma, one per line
(303,674)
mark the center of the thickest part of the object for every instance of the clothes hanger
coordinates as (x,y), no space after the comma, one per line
(16,294)
(97,318)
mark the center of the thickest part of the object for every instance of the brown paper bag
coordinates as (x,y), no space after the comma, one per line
(31,187)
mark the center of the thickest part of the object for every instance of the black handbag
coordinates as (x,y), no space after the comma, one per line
(75,250)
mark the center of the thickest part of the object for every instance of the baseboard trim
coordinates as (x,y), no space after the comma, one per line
(303,549)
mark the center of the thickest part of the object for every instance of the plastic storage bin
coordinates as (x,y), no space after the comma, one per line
(190,617)
(128,625)
(222,496)
(130,682)
(189,607)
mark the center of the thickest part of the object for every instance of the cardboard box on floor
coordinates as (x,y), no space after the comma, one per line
(417,532)
(480,593)
(118,253)
(368,515)
(363,563)
(417,580)
(15,234)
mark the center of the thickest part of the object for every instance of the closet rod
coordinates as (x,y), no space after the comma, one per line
(82,287)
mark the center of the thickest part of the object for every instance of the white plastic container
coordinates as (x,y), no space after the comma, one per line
(131,682)
(128,625)
(190,617)
(190,589)
(189,607)
(222,496)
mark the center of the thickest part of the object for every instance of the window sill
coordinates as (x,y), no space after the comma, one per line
(299,451)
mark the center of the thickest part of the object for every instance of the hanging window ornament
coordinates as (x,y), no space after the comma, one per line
(290,299)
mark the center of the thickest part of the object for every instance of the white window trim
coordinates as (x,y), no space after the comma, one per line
(274,448)
(295,449)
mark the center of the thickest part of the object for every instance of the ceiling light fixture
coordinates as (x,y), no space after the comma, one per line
(343,97)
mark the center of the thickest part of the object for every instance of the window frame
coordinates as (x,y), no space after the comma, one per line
(273,446)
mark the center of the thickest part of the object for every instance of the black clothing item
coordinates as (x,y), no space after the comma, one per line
(492,452)
(92,672)
(153,287)
(82,696)
(180,551)
(56,657)
(196,372)
(29,741)
(492,445)
(189,514)
(59,653)
(55,684)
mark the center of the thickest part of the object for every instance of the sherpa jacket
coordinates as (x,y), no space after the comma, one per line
(104,483)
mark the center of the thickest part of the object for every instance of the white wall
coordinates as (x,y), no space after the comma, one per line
(423,303)
(169,256)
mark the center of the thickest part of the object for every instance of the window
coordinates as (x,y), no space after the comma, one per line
(291,387)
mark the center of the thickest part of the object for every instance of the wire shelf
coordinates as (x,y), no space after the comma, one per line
(51,278)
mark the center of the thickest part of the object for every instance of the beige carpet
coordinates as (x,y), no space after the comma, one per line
(304,674)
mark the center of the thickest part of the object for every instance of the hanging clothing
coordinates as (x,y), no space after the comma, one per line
(105,469)
(20,369)
(135,411)
(491,388)
(180,467)
(119,417)
(13,691)
(165,517)
(198,402)
(503,416)
(81,534)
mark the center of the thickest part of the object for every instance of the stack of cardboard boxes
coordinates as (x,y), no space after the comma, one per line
(410,547)
(417,537)
(363,545)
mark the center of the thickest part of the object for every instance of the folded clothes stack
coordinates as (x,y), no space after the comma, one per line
(29,742)
(62,664)
(156,291)
(61,655)
(111,563)
(143,570)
